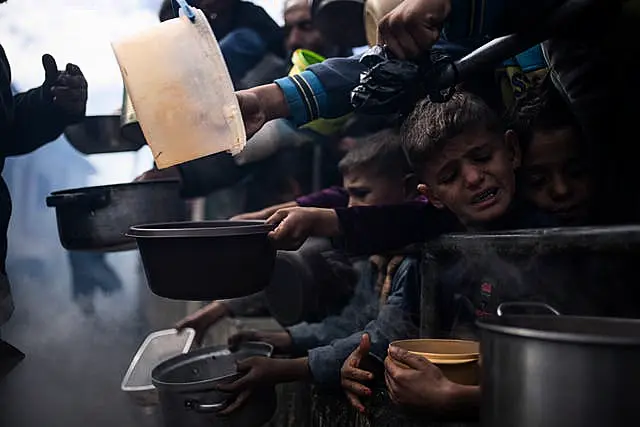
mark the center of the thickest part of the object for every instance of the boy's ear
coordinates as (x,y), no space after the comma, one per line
(426,191)
(513,145)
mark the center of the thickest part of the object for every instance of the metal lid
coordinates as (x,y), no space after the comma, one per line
(543,240)
(575,329)
(200,229)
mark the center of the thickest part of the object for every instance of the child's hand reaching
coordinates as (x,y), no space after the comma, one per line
(262,371)
(295,225)
(351,376)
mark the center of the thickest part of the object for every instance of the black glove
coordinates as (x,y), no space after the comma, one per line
(66,89)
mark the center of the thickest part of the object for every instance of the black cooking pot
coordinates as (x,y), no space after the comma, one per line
(559,371)
(203,261)
(187,383)
(100,134)
(97,218)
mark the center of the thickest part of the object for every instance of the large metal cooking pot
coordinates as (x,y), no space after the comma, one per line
(559,371)
(187,384)
(130,129)
(97,218)
(347,15)
(100,134)
(203,261)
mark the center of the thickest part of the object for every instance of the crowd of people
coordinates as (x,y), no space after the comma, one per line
(536,141)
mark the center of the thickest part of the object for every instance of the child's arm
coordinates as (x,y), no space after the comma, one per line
(362,229)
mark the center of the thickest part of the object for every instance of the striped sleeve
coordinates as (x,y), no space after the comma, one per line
(305,95)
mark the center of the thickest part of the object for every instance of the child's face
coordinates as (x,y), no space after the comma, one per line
(366,188)
(473,176)
(555,175)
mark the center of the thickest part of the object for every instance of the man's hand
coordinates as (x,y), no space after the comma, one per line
(260,105)
(421,385)
(413,27)
(203,319)
(351,376)
(264,213)
(262,371)
(295,225)
(281,341)
(68,88)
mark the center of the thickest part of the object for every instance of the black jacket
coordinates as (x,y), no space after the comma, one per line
(27,121)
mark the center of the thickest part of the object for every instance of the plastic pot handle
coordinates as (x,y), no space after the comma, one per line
(205,408)
(523,304)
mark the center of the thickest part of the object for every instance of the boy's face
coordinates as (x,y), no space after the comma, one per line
(366,188)
(555,175)
(473,176)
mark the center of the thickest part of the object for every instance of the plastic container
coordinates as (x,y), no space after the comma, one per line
(158,347)
(457,359)
(181,90)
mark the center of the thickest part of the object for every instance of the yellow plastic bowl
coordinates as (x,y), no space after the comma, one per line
(302,58)
(458,359)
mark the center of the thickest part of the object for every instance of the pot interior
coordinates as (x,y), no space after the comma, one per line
(568,328)
(205,366)
(442,351)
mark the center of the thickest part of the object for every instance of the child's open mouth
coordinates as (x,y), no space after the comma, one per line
(485,197)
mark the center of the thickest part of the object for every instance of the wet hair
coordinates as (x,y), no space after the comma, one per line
(541,109)
(429,127)
(380,153)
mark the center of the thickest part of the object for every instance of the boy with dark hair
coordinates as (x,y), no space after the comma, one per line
(555,175)
(466,163)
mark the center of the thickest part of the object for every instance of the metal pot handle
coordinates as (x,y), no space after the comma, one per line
(205,408)
(90,200)
(523,304)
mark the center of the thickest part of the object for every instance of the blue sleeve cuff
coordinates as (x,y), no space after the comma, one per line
(305,96)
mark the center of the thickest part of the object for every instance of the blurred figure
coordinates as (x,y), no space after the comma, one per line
(300,33)
(90,272)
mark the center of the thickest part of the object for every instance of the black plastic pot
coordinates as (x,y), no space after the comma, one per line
(559,371)
(187,383)
(100,134)
(97,218)
(203,261)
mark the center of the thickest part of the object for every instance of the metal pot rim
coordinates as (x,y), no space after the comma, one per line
(503,327)
(196,355)
(187,229)
(115,186)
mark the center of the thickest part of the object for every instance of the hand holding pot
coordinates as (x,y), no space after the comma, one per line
(261,372)
(281,341)
(295,225)
(424,386)
(203,319)
(413,26)
(351,377)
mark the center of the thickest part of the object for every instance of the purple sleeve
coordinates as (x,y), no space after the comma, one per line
(333,197)
(379,229)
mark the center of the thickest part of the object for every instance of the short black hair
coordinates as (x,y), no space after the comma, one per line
(431,125)
(542,109)
(380,153)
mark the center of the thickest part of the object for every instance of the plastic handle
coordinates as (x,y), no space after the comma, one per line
(523,304)
(186,9)
(204,408)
